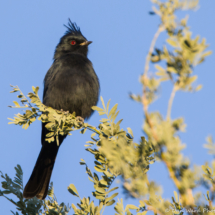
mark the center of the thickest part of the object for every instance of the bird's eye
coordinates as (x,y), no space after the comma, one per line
(73,42)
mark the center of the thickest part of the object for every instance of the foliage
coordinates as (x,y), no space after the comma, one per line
(59,122)
(115,153)
(30,206)
(107,149)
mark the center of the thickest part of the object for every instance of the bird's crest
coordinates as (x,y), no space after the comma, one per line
(72,28)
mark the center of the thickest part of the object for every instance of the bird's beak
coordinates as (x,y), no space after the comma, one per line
(86,43)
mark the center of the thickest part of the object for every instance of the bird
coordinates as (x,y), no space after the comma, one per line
(70,84)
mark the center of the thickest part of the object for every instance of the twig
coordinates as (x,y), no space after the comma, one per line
(148,57)
(92,128)
(171,171)
(132,193)
(175,88)
(29,103)
(105,195)
(144,77)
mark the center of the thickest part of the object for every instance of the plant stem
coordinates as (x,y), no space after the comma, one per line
(148,57)
(175,88)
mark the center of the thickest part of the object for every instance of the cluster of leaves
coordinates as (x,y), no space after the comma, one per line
(30,206)
(181,53)
(125,158)
(58,122)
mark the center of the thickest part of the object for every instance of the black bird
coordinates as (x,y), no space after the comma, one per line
(70,84)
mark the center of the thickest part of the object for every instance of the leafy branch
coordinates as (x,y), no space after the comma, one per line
(183,55)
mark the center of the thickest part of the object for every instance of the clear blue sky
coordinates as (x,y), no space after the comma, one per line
(121,32)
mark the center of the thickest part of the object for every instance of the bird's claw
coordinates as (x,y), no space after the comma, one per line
(80,120)
(65,112)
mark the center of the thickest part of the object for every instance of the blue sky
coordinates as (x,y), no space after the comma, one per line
(121,32)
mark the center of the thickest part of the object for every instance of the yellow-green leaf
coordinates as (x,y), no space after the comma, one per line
(110,203)
(111,197)
(112,189)
(172,42)
(99,189)
(72,189)
(130,132)
(176,196)
(159,68)
(16,104)
(97,108)
(132,207)
(98,169)
(142,213)
(199,87)
(113,110)
(172,69)
(142,204)
(103,182)
(102,100)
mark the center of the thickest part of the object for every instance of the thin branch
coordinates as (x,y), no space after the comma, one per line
(144,77)
(92,128)
(29,103)
(175,88)
(171,171)
(107,194)
(148,57)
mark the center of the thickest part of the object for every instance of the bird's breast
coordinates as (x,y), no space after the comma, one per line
(72,85)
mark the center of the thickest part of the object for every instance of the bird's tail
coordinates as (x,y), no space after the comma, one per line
(39,181)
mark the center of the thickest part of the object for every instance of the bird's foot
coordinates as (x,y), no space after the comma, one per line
(80,120)
(65,112)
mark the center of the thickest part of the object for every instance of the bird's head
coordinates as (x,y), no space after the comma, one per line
(72,42)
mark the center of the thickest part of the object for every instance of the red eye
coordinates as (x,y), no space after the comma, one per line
(73,42)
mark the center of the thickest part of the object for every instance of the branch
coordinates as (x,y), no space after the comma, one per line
(175,88)
(148,57)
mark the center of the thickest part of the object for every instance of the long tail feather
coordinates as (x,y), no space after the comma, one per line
(39,181)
